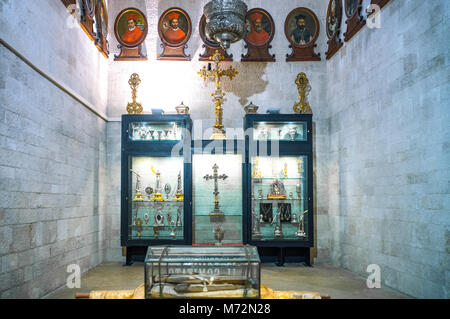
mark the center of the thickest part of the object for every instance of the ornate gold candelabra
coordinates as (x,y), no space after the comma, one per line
(134,107)
(304,88)
(218,73)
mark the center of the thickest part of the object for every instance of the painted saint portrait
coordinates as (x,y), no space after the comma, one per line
(131,27)
(259,28)
(174,27)
(350,7)
(334,17)
(102,17)
(302,27)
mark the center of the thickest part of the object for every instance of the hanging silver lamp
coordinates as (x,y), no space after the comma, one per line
(225,21)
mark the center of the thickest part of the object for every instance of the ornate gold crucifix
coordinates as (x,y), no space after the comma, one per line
(218,73)
(134,107)
(304,88)
(216,177)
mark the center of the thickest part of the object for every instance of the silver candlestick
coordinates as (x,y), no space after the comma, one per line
(299,191)
(292,133)
(260,194)
(294,219)
(256,231)
(301,226)
(278,232)
(219,234)
(167,190)
(179,222)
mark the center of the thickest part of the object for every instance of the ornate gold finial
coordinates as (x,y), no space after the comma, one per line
(218,73)
(134,107)
(304,88)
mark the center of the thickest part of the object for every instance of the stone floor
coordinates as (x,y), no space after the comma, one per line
(325,279)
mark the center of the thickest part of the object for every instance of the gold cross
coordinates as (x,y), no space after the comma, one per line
(217,73)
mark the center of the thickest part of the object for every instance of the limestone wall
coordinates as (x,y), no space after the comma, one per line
(388,102)
(52,148)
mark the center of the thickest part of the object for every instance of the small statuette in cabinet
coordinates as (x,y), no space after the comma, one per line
(139,227)
(256,170)
(152,134)
(158,195)
(169,219)
(298,189)
(278,232)
(301,226)
(156,231)
(278,191)
(138,193)
(285,171)
(167,190)
(219,234)
(179,194)
(260,194)
(294,219)
(256,231)
(179,222)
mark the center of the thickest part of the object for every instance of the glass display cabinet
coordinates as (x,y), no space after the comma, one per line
(279,219)
(218,204)
(202,272)
(156,182)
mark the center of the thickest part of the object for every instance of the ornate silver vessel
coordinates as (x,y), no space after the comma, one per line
(225,21)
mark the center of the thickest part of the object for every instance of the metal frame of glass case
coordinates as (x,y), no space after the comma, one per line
(289,135)
(155,136)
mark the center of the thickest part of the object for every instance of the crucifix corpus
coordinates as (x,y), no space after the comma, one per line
(216,177)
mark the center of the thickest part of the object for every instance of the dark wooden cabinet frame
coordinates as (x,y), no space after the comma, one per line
(136,249)
(260,53)
(281,251)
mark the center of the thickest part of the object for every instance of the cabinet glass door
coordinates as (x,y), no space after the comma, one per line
(280,131)
(157,198)
(279,198)
(155,131)
(217,199)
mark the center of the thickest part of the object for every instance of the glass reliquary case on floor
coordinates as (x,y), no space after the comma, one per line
(156,181)
(279,177)
(202,272)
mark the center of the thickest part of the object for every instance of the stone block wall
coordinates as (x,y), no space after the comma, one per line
(52,149)
(388,102)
